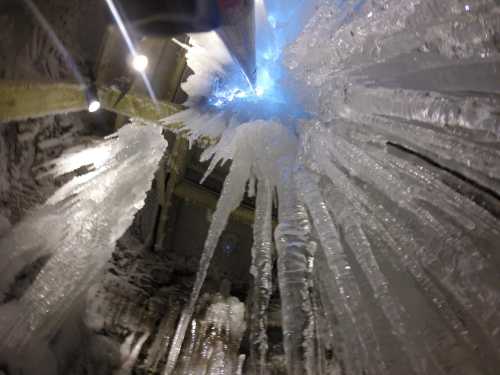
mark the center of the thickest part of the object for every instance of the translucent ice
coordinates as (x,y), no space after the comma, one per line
(77,228)
(212,346)
(387,196)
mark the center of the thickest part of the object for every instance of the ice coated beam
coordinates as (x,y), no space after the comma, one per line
(25,100)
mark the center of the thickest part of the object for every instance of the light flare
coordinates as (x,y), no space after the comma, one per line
(131,47)
(140,63)
(94,106)
(268,98)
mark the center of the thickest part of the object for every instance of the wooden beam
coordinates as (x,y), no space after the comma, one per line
(26,100)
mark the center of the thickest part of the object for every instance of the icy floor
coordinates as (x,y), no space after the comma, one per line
(386,179)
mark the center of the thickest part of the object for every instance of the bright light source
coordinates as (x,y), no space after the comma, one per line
(272,21)
(467,7)
(94,106)
(140,63)
(259,91)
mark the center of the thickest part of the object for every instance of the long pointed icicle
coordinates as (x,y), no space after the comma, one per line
(479,295)
(392,309)
(261,270)
(344,341)
(95,210)
(401,246)
(294,244)
(231,196)
(350,303)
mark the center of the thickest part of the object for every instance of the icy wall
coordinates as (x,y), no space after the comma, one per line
(26,49)
(24,149)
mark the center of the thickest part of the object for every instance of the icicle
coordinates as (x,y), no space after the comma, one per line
(392,309)
(401,241)
(349,292)
(261,270)
(231,196)
(410,193)
(95,209)
(27,242)
(311,343)
(163,338)
(294,254)
(474,160)
(214,341)
(344,342)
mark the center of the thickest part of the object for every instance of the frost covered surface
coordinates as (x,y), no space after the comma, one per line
(77,228)
(383,259)
(24,148)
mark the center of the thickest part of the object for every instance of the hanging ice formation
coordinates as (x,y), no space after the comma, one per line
(78,228)
(387,263)
(212,345)
(386,179)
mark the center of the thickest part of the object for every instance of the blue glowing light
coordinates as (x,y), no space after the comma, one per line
(272,21)
(268,97)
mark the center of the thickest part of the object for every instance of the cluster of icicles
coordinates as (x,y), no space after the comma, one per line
(384,265)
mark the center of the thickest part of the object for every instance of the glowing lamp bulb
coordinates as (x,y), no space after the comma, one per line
(94,106)
(140,63)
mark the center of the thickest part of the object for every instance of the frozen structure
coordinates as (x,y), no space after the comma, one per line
(374,130)
(76,230)
(214,339)
(380,249)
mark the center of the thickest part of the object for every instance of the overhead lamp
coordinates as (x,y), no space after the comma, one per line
(94,106)
(92,98)
(140,63)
